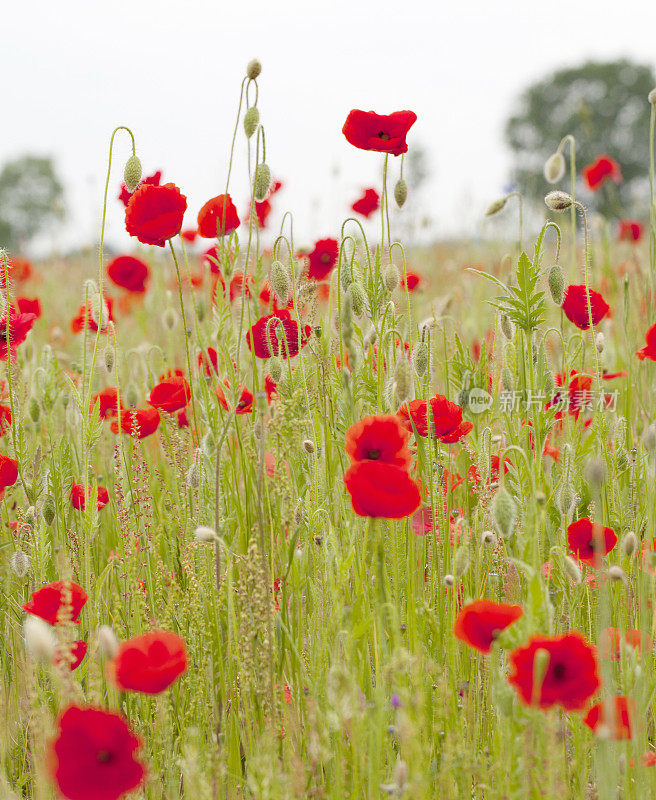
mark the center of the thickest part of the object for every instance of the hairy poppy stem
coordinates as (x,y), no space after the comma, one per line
(586,280)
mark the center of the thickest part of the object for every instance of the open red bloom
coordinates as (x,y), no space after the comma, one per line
(590,542)
(139,422)
(262,211)
(384,133)
(413,280)
(323,259)
(108,402)
(153,180)
(613,722)
(77,323)
(171,394)
(239,286)
(149,663)
(210,217)
(208,361)
(495,465)
(604,168)
(189,235)
(447,419)
(14,326)
(277,334)
(367,203)
(78,651)
(479,623)
(575,306)
(129,273)
(382,490)
(19,270)
(571,676)
(49,601)
(27,305)
(649,350)
(629,230)
(93,755)
(245,402)
(80,492)
(381,438)
(8,473)
(154,213)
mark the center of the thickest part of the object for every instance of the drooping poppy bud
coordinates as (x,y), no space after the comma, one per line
(557,284)
(400,192)
(251,121)
(262,181)
(504,513)
(253,68)
(554,167)
(132,173)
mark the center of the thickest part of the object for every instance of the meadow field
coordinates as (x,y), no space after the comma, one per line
(335,518)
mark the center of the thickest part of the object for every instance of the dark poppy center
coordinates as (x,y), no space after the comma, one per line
(324,258)
(104,756)
(592,545)
(384,136)
(559,672)
(373,454)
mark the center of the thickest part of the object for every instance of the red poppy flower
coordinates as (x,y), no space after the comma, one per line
(108,402)
(610,642)
(93,755)
(210,217)
(245,402)
(17,328)
(629,230)
(80,492)
(413,280)
(29,306)
(384,133)
(237,286)
(575,306)
(170,395)
(129,273)
(49,602)
(212,257)
(613,723)
(139,422)
(154,213)
(382,490)
(18,269)
(269,337)
(479,623)
(149,663)
(8,473)
(262,211)
(208,361)
(447,418)
(77,323)
(590,542)
(381,438)
(604,168)
(189,235)
(323,259)
(78,652)
(571,676)
(495,464)
(152,180)
(649,350)
(5,419)
(367,203)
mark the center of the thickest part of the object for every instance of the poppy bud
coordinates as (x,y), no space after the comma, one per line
(652,97)
(204,534)
(131,395)
(540,498)
(371,337)
(504,513)
(548,384)
(496,206)
(566,498)
(556,284)
(170,318)
(201,309)
(20,564)
(402,381)
(507,380)
(280,281)
(275,368)
(449,580)
(400,192)
(558,201)
(208,444)
(109,358)
(253,68)
(132,173)
(595,472)
(600,342)
(540,667)
(358,299)
(461,563)
(554,167)
(33,409)
(616,573)
(298,512)
(193,475)
(308,446)
(251,121)
(488,538)
(507,328)
(30,516)
(391,277)
(40,640)
(629,544)
(572,569)
(107,641)
(48,510)
(261,181)
(420,359)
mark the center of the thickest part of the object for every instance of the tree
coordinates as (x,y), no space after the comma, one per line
(31,199)
(604,106)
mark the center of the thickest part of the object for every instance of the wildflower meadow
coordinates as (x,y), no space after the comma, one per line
(336,518)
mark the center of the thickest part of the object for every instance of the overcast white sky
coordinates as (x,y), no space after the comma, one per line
(171,71)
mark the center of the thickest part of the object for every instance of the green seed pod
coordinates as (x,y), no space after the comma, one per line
(275,368)
(253,68)
(109,358)
(358,299)
(391,277)
(33,409)
(557,284)
(48,509)
(402,380)
(132,173)
(261,181)
(400,192)
(251,121)
(507,328)
(280,281)
(420,359)
(504,513)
